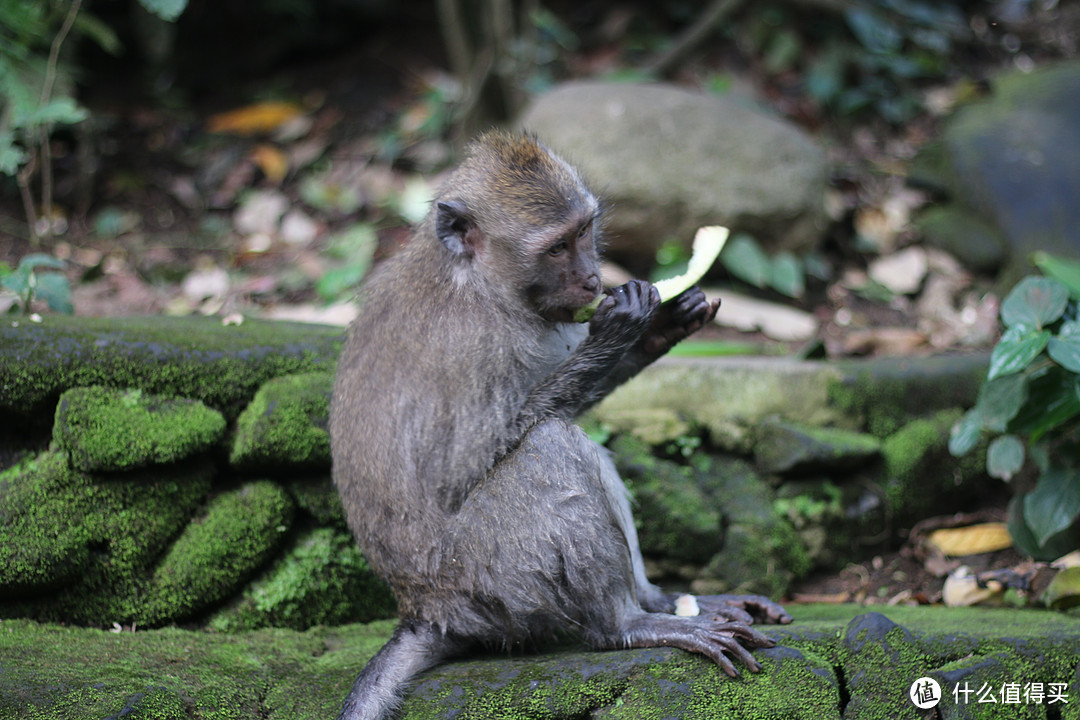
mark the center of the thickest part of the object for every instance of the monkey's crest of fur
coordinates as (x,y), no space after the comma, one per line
(504,170)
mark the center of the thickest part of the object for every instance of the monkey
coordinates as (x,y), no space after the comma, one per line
(470,490)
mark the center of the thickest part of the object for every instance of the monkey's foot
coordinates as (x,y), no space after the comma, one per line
(749,609)
(702,634)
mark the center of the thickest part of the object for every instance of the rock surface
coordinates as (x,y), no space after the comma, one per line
(1011,161)
(247,529)
(833,662)
(713,160)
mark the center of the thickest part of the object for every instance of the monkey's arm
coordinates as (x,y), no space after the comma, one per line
(673,322)
(581,380)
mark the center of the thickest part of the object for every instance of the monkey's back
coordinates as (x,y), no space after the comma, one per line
(421,383)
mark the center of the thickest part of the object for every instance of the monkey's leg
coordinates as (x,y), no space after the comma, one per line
(413,648)
(548,539)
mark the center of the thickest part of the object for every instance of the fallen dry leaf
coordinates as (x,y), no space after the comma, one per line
(902,272)
(261,117)
(884,341)
(971,540)
(273,163)
(779,322)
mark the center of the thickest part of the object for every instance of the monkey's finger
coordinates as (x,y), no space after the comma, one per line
(743,633)
(733,614)
(763,609)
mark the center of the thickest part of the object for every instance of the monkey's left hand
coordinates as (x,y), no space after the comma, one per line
(677,320)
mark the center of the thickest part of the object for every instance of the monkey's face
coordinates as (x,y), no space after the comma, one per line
(566,272)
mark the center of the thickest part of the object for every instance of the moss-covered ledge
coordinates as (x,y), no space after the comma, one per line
(833,662)
(197,358)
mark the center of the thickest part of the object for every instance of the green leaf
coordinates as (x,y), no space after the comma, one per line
(1065,271)
(1052,400)
(788,276)
(1000,400)
(40,260)
(1005,457)
(93,28)
(18,282)
(53,288)
(11,155)
(1064,348)
(62,111)
(745,259)
(1017,348)
(1035,302)
(334,283)
(876,33)
(964,434)
(167,10)
(1054,503)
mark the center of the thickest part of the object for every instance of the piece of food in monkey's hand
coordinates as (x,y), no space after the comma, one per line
(708,242)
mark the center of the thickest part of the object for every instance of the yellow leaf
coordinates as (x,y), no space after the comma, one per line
(271,161)
(972,540)
(258,118)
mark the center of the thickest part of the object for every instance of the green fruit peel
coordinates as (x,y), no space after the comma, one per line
(708,242)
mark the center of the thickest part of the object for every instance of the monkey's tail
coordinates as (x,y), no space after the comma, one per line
(413,648)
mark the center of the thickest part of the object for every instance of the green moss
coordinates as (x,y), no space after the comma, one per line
(918,453)
(77,547)
(884,394)
(322,580)
(194,358)
(756,559)
(217,552)
(56,673)
(40,547)
(285,424)
(105,429)
(674,517)
(786,447)
(831,654)
(319,499)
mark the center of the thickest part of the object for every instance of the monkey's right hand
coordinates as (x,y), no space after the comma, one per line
(625,314)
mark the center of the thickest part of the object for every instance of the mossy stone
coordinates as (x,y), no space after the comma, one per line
(833,658)
(239,533)
(321,580)
(918,452)
(77,547)
(285,424)
(976,243)
(194,357)
(40,547)
(794,448)
(104,429)
(675,518)
(319,499)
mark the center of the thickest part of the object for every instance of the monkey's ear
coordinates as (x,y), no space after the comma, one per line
(456,229)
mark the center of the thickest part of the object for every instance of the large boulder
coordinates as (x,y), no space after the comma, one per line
(1009,164)
(669,160)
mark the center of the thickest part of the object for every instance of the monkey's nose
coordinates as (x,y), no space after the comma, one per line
(592,285)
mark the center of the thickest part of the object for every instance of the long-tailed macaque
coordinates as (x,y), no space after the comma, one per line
(469,488)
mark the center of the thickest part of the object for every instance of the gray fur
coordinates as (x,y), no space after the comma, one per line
(492,516)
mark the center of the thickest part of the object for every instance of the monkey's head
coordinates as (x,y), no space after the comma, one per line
(515,211)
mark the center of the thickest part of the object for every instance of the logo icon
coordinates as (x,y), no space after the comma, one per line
(925,693)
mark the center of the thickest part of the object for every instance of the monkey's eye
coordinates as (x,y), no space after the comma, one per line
(557,249)
(584,230)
